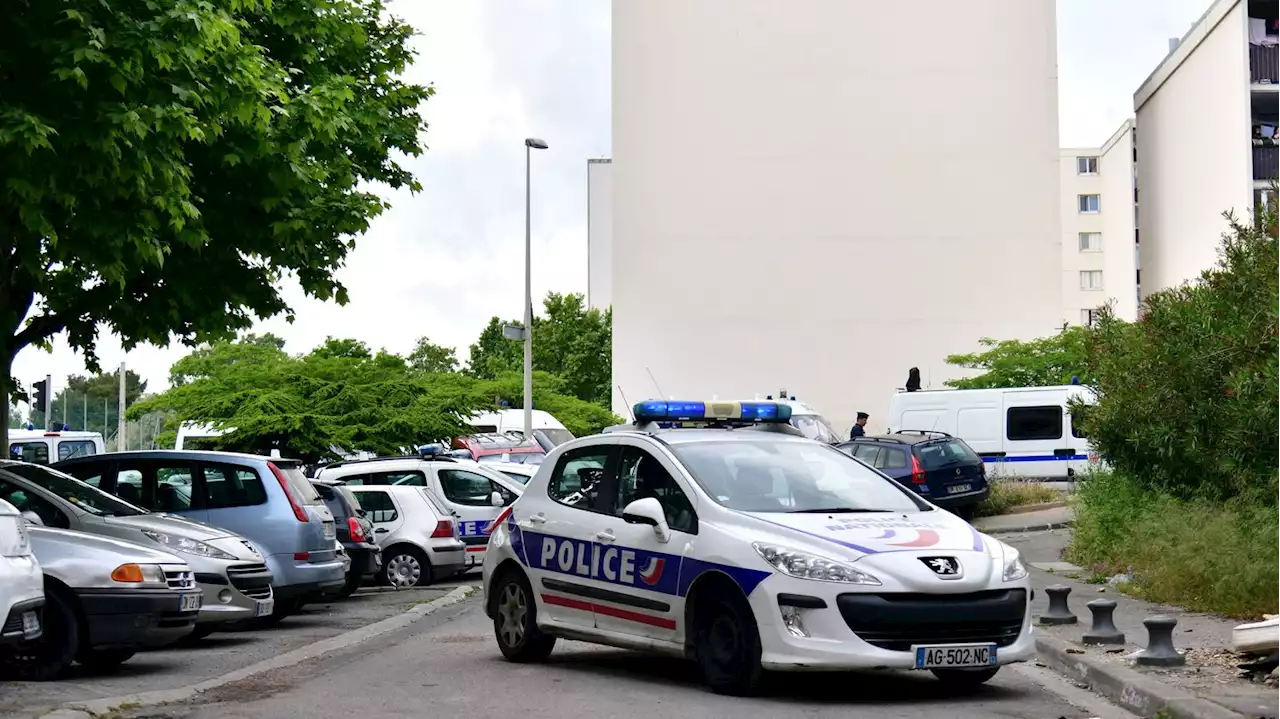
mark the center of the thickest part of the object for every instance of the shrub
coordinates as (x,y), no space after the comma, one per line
(1007,494)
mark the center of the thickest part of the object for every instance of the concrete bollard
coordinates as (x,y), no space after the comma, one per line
(1058,612)
(1103,629)
(1160,651)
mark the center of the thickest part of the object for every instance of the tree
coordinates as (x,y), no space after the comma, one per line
(428,358)
(1041,362)
(92,402)
(549,394)
(492,354)
(166,164)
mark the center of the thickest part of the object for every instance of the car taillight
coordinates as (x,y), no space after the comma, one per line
(917,471)
(298,511)
(444,530)
(357,532)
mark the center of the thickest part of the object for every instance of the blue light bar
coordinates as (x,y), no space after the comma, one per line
(657,410)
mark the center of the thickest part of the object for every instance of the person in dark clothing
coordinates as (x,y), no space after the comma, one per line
(859,427)
(913,379)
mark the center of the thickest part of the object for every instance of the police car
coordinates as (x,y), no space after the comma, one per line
(715,531)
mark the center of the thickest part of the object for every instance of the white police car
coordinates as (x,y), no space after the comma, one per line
(715,531)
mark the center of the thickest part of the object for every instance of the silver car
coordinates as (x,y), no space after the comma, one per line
(104,600)
(418,538)
(229,570)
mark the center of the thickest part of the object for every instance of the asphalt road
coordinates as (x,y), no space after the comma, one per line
(449,666)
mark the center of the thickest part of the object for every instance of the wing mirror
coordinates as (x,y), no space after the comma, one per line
(648,511)
(495,499)
(33,518)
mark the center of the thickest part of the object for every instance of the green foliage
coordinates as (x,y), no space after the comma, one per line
(1007,494)
(1041,362)
(1200,554)
(1187,395)
(428,358)
(165,164)
(571,341)
(549,394)
(92,403)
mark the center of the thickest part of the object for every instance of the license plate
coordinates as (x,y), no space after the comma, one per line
(30,624)
(958,488)
(955,655)
(329,531)
(190,602)
(265,607)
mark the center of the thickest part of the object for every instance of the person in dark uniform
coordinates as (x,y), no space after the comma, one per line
(859,427)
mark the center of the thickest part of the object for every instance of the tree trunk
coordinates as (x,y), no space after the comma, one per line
(6,360)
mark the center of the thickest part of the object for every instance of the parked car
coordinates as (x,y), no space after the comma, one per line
(939,467)
(494,444)
(355,534)
(470,492)
(230,572)
(548,432)
(267,500)
(517,471)
(420,542)
(104,600)
(21,584)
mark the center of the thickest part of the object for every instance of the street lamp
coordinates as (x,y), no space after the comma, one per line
(530,144)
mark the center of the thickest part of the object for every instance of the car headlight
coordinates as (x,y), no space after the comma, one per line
(140,574)
(1014,569)
(186,545)
(13,537)
(810,566)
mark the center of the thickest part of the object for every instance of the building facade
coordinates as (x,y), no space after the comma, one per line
(599,234)
(804,194)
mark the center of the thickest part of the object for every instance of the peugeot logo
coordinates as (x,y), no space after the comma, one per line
(944,567)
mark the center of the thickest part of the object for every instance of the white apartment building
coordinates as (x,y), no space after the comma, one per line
(599,234)
(1195,115)
(822,194)
(1099,229)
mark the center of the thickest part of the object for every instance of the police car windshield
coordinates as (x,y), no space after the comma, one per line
(815,426)
(763,476)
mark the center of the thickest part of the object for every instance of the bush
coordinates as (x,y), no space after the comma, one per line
(1200,554)
(1187,395)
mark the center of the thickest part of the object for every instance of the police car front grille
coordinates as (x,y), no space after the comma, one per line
(898,621)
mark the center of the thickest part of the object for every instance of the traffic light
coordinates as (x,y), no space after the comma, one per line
(40,395)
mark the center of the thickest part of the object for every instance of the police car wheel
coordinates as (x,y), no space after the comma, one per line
(515,621)
(965,677)
(727,644)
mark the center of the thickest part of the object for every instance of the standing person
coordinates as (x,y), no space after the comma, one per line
(859,427)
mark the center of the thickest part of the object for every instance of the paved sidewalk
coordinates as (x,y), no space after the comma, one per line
(1052,518)
(1210,673)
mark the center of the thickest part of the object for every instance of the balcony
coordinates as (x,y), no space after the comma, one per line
(1263,62)
(1266,162)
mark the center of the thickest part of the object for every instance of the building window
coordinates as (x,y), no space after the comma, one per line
(1091,242)
(1086,165)
(1091,279)
(1088,317)
(1090,203)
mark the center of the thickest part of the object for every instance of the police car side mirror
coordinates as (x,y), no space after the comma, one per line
(33,518)
(648,511)
(495,499)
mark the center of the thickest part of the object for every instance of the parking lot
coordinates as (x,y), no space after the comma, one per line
(221,653)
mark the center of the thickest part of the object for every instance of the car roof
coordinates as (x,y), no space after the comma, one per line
(677,436)
(182,454)
(906,438)
(381,461)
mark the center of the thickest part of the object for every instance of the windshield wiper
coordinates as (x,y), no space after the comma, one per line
(838,510)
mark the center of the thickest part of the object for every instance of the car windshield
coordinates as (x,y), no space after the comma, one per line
(790,476)
(515,458)
(555,435)
(816,427)
(945,453)
(86,497)
(303,492)
(521,478)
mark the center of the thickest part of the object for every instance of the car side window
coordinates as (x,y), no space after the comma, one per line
(354,480)
(378,506)
(34,452)
(331,500)
(894,458)
(866,452)
(466,488)
(507,495)
(26,501)
(579,477)
(640,475)
(226,486)
(411,478)
(75,448)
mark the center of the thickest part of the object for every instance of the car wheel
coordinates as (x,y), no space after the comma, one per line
(104,660)
(406,567)
(49,656)
(515,621)
(727,643)
(965,677)
(350,587)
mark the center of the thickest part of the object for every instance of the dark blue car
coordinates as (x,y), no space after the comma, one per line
(941,468)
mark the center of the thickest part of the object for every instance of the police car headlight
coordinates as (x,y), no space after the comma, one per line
(810,566)
(1014,569)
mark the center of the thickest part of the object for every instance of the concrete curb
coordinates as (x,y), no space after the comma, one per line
(1028,508)
(1137,692)
(1023,529)
(95,707)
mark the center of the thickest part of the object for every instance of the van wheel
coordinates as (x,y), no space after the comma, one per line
(51,655)
(515,621)
(726,642)
(406,566)
(104,660)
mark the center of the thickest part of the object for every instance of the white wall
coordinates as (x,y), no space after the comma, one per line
(599,233)
(1074,261)
(1194,153)
(821,194)
(1119,256)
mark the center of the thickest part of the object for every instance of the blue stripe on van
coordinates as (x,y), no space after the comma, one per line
(1038,458)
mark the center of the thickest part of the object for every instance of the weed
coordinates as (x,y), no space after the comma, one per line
(1006,495)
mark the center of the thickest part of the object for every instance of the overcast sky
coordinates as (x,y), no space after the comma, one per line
(443,262)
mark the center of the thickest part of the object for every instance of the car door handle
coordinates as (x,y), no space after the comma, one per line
(606,537)
(381,530)
(538,518)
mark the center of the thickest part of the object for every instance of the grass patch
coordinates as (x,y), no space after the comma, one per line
(1006,495)
(1219,557)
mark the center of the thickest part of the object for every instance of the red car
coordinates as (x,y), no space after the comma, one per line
(494,445)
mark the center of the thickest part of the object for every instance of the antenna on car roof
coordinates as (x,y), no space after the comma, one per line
(628,404)
(655,381)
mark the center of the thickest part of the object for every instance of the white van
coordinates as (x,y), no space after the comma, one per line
(547,430)
(1018,431)
(40,447)
(192,431)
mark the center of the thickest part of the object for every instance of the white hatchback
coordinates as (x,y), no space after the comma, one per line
(732,539)
(21,582)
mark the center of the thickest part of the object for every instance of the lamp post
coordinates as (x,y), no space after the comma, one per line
(530,144)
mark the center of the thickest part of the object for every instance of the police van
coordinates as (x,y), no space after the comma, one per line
(40,446)
(1017,431)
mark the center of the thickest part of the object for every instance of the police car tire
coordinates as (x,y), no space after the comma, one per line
(534,644)
(965,677)
(720,611)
